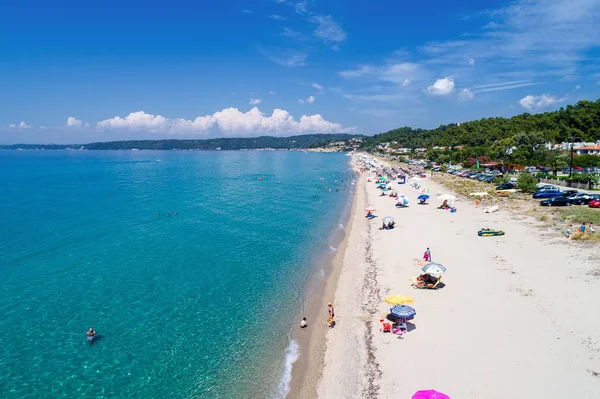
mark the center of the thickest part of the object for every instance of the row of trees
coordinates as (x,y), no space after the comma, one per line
(519,139)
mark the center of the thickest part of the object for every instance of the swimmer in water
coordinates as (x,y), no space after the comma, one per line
(90,334)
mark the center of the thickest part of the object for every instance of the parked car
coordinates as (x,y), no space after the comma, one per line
(465,173)
(481,176)
(594,203)
(557,201)
(569,193)
(548,187)
(546,194)
(583,198)
(489,179)
(474,175)
(507,186)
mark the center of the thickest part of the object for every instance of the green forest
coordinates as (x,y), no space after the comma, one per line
(245,143)
(519,139)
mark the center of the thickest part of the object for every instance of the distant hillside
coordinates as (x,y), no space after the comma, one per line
(246,143)
(579,122)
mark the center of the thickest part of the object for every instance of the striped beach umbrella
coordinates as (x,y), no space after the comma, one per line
(403,311)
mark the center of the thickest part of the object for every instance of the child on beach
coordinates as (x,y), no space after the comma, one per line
(591,228)
(331,322)
(569,231)
(303,323)
(427,255)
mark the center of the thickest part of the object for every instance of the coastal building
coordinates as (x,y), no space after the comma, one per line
(593,149)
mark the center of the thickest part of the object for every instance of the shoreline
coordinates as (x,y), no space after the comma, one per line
(307,370)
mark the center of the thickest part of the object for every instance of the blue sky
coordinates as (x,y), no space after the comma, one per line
(75,73)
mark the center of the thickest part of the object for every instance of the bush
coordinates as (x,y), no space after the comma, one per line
(527,183)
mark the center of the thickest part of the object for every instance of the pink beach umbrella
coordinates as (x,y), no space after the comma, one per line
(430,394)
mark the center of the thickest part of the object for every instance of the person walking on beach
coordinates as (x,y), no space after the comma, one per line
(303,323)
(331,319)
(427,255)
(582,228)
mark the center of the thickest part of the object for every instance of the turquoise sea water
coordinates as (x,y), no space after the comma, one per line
(194,304)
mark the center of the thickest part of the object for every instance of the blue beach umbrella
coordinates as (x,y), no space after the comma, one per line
(423,197)
(403,311)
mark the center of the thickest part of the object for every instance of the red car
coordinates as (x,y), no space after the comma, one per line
(594,204)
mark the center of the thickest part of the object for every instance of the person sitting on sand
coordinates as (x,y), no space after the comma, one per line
(385,226)
(369,214)
(426,281)
(303,323)
(444,205)
(391,225)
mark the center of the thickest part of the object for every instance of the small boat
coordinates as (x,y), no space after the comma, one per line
(490,233)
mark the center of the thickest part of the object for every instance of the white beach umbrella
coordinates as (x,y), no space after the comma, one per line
(446,197)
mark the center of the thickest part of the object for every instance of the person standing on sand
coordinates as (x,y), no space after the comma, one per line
(427,255)
(569,231)
(591,228)
(331,319)
(303,323)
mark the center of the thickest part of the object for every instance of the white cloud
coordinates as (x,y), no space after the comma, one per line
(357,73)
(328,30)
(245,11)
(466,95)
(229,122)
(504,86)
(471,61)
(301,7)
(442,87)
(532,102)
(309,100)
(271,92)
(21,125)
(577,87)
(73,122)
(406,82)
(292,34)
(317,86)
(290,58)
(255,101)
(277,17)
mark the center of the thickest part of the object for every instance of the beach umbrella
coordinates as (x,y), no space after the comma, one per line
(370,209)
(388,219)
(434,269)
(403,311)
(402,200)
(446,197)
(382,178)
(398,299)
(430,394)
(423,197)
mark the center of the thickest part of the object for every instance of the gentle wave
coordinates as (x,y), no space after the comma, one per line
(292,353)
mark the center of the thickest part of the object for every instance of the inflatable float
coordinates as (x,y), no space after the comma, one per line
(489,233)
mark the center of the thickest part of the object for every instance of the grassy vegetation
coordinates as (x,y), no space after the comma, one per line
(559,218)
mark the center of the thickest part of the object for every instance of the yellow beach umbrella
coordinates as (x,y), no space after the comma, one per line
(398,299)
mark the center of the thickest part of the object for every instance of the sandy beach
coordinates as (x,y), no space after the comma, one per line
(516,317)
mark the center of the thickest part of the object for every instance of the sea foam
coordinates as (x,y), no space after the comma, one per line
(292,353)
